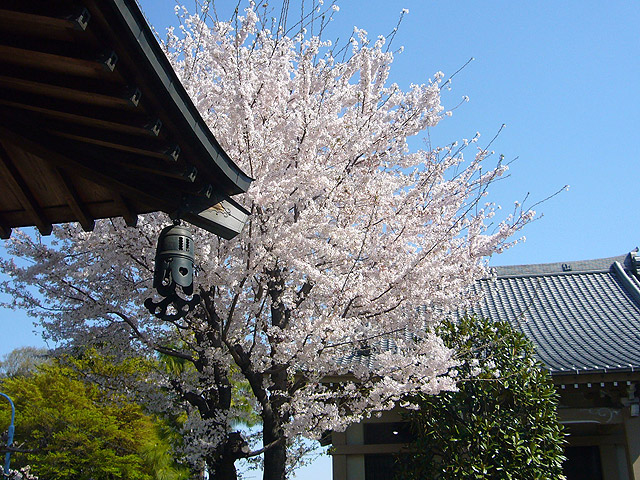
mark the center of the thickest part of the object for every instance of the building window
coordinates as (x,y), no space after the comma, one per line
(379,467)
(582,463)
(387,433)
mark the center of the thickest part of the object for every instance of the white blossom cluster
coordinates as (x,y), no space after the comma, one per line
(23,474)
(200,436)
(349,230)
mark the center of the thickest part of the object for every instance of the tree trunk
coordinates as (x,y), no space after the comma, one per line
(223,468)
(275,458)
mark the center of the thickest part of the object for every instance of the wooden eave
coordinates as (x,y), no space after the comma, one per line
(94,123)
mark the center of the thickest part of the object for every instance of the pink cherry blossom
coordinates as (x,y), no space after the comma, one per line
(350,231)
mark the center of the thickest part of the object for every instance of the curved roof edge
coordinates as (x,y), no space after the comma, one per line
(132,16)
(629,282)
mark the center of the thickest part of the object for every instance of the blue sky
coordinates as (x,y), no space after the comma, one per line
(562,75)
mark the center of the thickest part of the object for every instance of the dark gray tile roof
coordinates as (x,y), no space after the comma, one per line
(583,317)
(364,355)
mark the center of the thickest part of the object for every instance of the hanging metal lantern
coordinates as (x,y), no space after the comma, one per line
(174,261)
(173,272)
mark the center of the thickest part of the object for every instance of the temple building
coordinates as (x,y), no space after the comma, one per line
(584,320)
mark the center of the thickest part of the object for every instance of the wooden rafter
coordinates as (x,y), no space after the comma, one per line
(56,21)
(92,115)
(96,124)
(118,97)
(129,215)
(20,189)
(104,138)
(66,27)
(55,63)
(186,173)
(97,171)
(5,232)
(30,20)
(74,202)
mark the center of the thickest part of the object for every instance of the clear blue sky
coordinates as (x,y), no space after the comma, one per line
(562,75)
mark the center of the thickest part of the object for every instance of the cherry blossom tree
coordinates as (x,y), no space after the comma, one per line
(349,231)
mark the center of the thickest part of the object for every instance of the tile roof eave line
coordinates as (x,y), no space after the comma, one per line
(620,321)
(540,334)
(618,326)
(604,371)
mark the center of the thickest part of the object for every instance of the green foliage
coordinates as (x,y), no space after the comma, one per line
(501,424)
(73,430)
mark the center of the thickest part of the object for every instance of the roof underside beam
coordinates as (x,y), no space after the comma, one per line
(5,232)
(95,124)
(20,189)
(110,178)
(129,214)
(74,202)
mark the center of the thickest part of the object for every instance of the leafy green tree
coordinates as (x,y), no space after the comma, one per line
(500,424)
(70,429)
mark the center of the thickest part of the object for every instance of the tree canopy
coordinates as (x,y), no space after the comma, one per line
(66,428)
(22,361)
(501,423)
(349,231)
